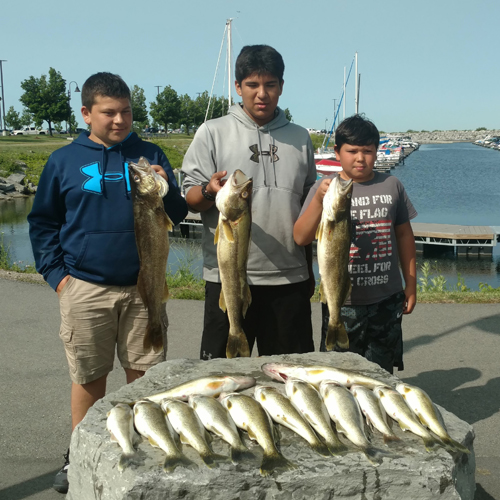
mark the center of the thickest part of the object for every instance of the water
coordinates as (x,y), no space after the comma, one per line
(447,183)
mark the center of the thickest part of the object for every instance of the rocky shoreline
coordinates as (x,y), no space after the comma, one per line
(447,136)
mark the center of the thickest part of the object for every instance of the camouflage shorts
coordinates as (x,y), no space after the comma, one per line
(374,330)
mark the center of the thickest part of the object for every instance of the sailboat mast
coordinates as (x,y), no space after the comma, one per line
(229,79)
(356,104)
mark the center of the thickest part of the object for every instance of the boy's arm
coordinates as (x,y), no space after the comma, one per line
(304,229)
(408,261)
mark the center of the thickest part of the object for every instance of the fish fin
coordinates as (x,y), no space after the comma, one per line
(247,294)
(241,454)
(153,338)
(171,463)
(319,232)
(216,235)
(237,345)
(273,461)
(165,291)
(222,301)
(228,231)
(453,445)
(127,459)
(211,459)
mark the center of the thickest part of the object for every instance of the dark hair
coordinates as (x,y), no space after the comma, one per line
(358,131)
(103,84)
(259,59)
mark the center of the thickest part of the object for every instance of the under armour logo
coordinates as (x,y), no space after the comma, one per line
(272,152)
(93,183)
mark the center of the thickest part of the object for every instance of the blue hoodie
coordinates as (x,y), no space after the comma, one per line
(82,221)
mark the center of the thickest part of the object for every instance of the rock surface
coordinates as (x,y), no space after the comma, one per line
(413,474)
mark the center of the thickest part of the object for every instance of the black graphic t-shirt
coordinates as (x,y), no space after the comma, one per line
(377,206)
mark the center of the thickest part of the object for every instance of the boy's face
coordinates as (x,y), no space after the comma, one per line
(357,161)
(260,95)
(110,119)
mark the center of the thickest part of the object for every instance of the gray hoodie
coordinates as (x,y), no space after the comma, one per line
(280,158)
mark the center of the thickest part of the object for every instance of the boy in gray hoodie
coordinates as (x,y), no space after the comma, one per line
(256,138)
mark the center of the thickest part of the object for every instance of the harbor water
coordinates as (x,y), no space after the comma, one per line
(447,183)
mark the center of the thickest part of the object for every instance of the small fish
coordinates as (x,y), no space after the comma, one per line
(191,431)
(421,404)
(315,374)
(149,420)
(120,424)
(396,408)
(213,385)
(345,412)
(306,399)
(334,243)
(282,411)
(249,416)
(151,227)
(373,411)
(215,418)
(232,238)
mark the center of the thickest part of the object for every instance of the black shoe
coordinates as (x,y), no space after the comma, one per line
(61,480)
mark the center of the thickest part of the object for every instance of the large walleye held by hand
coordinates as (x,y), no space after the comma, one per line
(232,238)
(334,241)
(151,226)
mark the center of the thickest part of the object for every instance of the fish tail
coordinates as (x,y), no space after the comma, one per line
(211,459)
(273,461)
(336,336)
(171,463)
(128,459)
(453,445)
(241,454)
(391,438)
(237,345)
(153,338)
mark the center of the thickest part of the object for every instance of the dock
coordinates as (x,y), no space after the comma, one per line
(465,240)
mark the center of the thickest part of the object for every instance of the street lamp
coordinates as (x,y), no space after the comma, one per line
(68,124)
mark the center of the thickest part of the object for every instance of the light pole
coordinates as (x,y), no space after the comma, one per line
(68,123)
(4,132)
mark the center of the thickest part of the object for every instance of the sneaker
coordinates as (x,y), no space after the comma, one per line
(61,480)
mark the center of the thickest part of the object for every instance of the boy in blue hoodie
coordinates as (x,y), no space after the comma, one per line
(257,138)
(82,234)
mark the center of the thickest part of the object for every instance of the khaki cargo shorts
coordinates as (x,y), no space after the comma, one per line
(96,320)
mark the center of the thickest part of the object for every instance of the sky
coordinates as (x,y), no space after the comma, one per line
(426,65)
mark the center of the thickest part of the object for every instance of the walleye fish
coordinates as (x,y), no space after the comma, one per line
(191,431)
(334,241)
(345,412)
(149,420)
(215,418)
(282,411)
(249,415)
(315,374)
(208,386)
(421,404)
(396,408)
(306,399)
(151,226)
(232,238)
(120,424)
(373,411)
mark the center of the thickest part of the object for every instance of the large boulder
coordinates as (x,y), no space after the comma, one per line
(412,474)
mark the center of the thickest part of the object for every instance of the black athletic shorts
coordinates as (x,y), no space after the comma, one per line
(374,330)
(279,319)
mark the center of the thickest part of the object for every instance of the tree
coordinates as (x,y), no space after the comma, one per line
(288,115)
(46,98)
(12,119)
(167,108)
(139,108)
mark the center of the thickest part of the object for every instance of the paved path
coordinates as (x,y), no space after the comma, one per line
(451,351)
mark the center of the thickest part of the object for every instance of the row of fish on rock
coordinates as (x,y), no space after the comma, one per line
(314,397)
(233,237)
